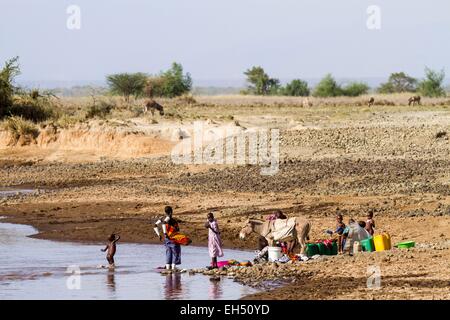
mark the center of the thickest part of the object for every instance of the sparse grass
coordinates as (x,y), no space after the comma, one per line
(18,126)
(128,112)
(69,111)
(316,109)
(186,99)
(67,121)
(176,116)
(100,110)
(380,99)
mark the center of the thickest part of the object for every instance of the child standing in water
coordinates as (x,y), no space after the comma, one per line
(214,240)
(111,247)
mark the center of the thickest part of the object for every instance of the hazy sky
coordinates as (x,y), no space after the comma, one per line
(218,39)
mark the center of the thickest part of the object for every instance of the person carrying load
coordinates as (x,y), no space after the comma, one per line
(173,239)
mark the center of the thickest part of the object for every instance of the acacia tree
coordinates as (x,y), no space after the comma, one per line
(398,82)
(127,84)
(260,83)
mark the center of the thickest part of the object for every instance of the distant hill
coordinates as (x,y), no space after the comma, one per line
(214,91)
(79,91)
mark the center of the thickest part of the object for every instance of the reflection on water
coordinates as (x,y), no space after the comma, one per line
(173,288)
(215,290)
(111,281)
(37,269)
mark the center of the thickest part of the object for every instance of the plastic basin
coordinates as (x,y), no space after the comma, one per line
(406,244)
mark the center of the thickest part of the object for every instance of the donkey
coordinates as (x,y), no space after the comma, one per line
(264,229)
(371,102)
(413,100)
(151,105)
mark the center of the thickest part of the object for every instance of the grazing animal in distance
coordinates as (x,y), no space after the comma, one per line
(413,100)
(371,101)
(152,106)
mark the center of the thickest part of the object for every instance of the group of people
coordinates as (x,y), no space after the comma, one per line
(345,234)
(173,240)
(365,229)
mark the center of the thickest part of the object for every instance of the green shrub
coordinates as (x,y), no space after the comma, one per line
(327,87)
(432,85)
(355,89)
(296,88)
(171,83)
(33,109)
(27,105)
(7,89)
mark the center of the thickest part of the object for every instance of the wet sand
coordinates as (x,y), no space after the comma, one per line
(420,273)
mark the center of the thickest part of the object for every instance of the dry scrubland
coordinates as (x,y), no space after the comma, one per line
(113,173)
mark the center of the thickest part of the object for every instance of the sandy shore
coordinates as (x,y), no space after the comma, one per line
(393,164)
(419,273)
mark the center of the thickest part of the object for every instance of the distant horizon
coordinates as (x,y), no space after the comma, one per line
(373,82)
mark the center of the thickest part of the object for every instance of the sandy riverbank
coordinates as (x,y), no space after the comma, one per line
(393,163)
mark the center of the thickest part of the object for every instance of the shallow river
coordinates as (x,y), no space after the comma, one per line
(41,269)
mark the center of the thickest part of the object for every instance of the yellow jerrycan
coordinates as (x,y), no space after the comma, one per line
(382,242)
